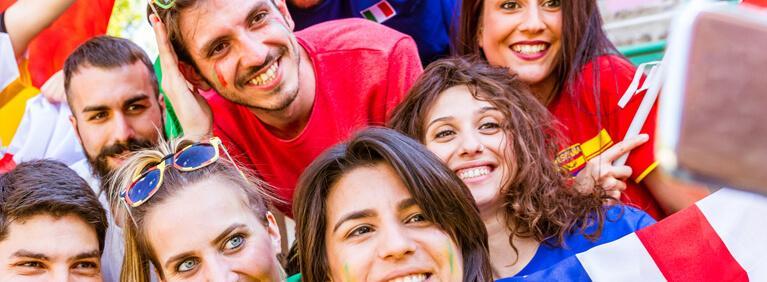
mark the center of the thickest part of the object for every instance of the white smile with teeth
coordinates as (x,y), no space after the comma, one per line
(473,172)
(265,77)
(410,278)
(528,49)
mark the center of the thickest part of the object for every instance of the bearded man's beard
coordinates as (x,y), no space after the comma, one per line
(100,164)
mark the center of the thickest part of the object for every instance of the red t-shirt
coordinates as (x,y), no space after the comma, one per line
(362,71)
(594,127)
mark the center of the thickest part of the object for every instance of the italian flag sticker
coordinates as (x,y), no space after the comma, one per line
(380,12)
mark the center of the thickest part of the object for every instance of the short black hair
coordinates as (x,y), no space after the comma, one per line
(106,52)
(48,187)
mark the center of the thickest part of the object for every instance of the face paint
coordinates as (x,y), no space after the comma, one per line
(219,77)
(451,257)
(348,276)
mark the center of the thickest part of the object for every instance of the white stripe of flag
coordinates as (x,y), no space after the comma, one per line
(380,12)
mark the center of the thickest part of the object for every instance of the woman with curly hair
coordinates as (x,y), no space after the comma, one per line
(487,127)
(561,51)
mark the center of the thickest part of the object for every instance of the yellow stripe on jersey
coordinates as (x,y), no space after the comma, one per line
(595,146)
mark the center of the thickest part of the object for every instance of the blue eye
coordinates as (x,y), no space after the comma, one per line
(235,242)
(186,265)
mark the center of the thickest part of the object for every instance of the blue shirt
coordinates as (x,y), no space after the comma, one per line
(428,22)
(619,221)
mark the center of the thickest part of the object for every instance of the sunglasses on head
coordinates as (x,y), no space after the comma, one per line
(189,158)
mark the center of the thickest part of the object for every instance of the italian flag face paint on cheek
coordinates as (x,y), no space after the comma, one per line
(219,77)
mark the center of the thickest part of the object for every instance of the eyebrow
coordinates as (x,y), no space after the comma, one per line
(134,99)
(208,45)
(354,215)
(215,241)
(86,255)
(29,254)
(100,108)
(406,204)
(481,111)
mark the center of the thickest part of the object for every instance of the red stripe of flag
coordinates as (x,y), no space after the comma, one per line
(686,248)
(385,8)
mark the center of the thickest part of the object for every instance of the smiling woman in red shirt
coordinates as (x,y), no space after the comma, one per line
(561,51)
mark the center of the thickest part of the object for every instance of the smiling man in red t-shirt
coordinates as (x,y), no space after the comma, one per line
(278,98)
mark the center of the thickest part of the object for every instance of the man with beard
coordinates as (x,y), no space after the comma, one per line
(112,91)
(281,98)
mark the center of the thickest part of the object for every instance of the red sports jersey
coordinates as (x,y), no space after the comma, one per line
(362,69)
(594,125)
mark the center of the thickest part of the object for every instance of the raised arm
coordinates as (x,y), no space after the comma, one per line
(26,18)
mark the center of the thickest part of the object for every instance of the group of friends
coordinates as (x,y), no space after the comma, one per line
(494,163)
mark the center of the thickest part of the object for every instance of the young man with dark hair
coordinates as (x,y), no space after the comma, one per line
(281,98)
(112,91)
(52,225)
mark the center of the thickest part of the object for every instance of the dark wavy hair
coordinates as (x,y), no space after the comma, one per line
(442,196)
(539,200)
(583,39)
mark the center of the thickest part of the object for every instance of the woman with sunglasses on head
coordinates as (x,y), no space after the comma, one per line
(560,49)
(489,130)
(195,216)
(382,208)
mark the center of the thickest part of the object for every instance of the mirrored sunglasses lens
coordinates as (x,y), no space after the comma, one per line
(144,186)
(196,155)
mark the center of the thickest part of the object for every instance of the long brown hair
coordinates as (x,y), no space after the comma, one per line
(442,196)
(138,251)
(538,201)
(583,39)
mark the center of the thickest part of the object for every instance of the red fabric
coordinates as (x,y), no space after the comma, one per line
(47,52)
(760,3)
(6,163)
(685,235)
(363,70)
(577,111)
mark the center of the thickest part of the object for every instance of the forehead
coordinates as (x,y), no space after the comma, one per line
(456,99)
(367,187)
(56,237)
(213,18)
(109,86)
(204,210)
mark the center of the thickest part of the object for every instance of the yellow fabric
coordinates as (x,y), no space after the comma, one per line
(646,172)
(595,146)
(13,102)
(576,155)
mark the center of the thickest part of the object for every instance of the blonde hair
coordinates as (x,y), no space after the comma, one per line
(138,251)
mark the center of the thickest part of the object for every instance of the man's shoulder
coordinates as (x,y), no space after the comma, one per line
(350,35)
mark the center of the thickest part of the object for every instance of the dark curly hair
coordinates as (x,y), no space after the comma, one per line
(539,201)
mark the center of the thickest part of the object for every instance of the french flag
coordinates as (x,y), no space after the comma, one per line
(721,238)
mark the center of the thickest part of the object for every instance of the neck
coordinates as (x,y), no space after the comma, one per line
(291,121)
(504,261)
(544,90)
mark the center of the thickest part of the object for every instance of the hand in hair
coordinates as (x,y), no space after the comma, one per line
(192,110)
(600,171)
